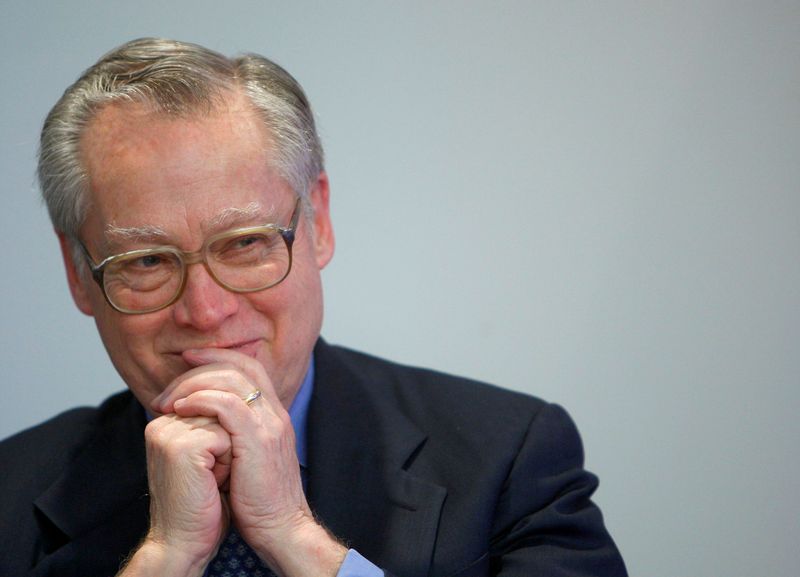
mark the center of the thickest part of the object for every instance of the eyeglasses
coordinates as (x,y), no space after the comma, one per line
(243,260)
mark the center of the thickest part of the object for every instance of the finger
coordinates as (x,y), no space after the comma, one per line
(188,448)
(217,369)
(177,381)
(265,480)
(219,377)
(252,368)
(182,437)
(234,415)
(192,431)
(188,459)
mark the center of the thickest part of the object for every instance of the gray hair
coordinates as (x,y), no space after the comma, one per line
(180,79)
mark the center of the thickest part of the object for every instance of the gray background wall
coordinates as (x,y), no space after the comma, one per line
(598,203)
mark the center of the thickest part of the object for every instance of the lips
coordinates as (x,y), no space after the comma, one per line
(246,347)
(249,348)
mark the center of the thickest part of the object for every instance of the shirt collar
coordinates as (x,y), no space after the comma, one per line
(298,412)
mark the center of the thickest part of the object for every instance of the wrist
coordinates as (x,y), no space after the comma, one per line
(156,558)
(304,548)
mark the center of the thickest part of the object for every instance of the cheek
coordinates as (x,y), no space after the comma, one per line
(129,339)
(269,306)
(291,307)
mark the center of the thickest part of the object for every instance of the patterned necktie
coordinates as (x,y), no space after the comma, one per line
(235,558)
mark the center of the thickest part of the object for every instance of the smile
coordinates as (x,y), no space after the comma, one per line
(249,348)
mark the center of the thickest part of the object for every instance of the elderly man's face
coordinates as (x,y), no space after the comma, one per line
(191,178)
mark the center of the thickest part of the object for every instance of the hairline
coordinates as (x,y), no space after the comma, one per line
(178,80)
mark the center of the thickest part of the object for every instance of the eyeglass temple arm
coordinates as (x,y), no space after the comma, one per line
(288,232)
(97,271)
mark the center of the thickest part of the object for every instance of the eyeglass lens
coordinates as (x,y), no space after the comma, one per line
(246,261)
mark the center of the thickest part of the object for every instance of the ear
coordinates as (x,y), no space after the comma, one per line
(77,282)
(324,241)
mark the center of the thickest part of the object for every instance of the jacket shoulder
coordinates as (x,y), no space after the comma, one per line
(436,390)
(38,454)
(511,465)
(464,420)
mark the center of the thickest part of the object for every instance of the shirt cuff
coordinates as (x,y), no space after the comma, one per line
(355,565)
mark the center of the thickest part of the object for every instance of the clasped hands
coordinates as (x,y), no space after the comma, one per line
(213,460)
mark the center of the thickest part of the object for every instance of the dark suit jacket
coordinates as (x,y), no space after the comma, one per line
(422,473)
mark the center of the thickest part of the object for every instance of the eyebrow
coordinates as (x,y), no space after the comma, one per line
(116,233)
(227,218)
(237,215)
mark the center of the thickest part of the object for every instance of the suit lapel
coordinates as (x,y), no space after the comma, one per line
(360,451)
(361,483)
(97,510)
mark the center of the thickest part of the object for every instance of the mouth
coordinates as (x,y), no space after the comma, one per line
(249,347)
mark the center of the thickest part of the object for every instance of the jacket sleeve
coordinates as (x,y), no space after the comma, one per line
(546,523)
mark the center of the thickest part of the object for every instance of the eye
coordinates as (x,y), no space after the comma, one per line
(148,262)
(244,249)
(247,241)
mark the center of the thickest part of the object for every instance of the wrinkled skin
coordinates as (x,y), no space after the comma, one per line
(212,459)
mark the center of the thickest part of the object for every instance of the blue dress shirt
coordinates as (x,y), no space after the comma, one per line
(354,564)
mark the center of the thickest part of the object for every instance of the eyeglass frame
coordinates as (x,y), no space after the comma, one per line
(187,258)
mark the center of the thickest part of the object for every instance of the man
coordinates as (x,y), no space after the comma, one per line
(189,197)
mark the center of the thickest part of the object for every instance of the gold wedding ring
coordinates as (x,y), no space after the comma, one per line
(252,397)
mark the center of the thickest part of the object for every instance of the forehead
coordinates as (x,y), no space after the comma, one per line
(148,169)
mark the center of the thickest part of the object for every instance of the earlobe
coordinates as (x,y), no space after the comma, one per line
(324,240)
(77,283)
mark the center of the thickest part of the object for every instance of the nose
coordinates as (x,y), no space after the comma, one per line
(204,304)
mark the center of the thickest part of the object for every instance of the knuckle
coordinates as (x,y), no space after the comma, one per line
(285,421)
(223,396)
(268,438)
(155,429)
(275,429)
(160,441)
